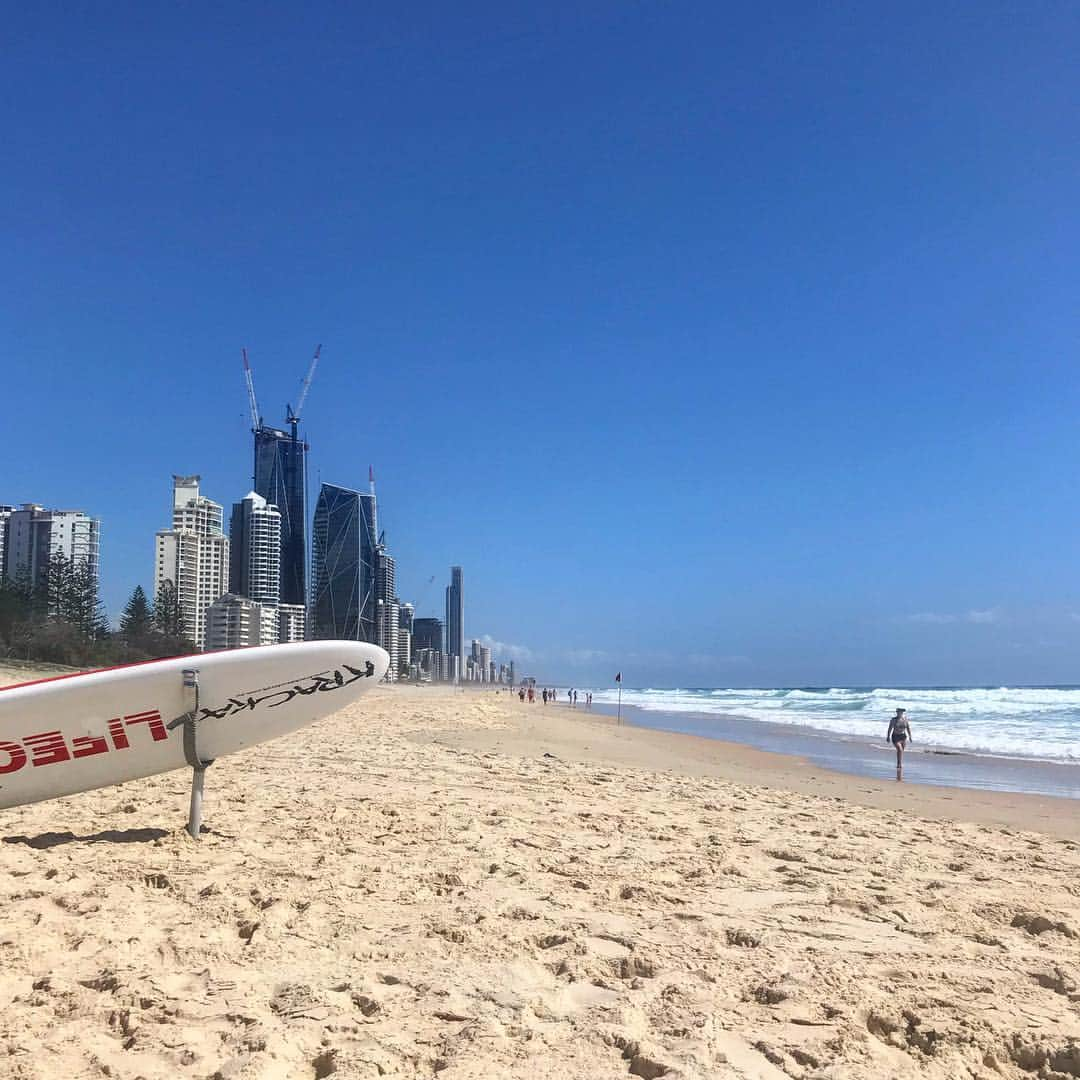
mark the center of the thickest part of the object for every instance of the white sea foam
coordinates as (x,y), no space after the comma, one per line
(1041,722)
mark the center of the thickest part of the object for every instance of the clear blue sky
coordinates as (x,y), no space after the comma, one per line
(721,344)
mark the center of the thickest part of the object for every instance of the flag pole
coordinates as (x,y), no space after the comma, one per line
(618,680)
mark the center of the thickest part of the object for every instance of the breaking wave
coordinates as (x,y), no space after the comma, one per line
(1038,722)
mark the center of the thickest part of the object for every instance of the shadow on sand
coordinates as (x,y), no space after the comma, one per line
(108,836)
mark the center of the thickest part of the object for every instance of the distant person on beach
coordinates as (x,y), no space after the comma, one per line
(532,695)
(898,734)
(521,694)
(575,699)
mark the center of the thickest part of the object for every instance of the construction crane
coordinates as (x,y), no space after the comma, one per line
(294,417)
(256,419)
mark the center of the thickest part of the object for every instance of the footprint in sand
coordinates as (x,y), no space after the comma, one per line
(743,939)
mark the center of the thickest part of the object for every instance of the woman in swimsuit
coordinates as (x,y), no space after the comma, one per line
(898,734)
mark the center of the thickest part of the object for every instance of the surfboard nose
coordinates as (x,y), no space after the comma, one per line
(385,657)
(360,653)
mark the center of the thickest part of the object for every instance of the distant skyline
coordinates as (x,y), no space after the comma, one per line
(720,345)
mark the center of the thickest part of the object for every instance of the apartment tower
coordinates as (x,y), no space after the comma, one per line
(31,536)
(255,560)
(193,555)
(387,611)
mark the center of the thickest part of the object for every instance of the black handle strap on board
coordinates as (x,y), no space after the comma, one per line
(189,720)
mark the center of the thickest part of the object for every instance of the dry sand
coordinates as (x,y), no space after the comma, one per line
(416,887)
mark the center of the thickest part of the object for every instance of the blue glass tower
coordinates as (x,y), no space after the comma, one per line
(343,565)
(281,479)
(455,616)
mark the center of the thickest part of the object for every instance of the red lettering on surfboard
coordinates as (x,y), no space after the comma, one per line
(16,757)
(51,748)
(157,725)
(47,748)
(86,745)
(119,735)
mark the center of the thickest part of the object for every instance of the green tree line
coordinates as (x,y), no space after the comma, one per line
(61,620)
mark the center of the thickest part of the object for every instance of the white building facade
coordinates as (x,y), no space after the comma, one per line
(255,559)
(235,622)
(5,513)
(194,555)
(292,622)
(32,536)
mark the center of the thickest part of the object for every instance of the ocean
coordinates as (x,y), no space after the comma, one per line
(1038,723)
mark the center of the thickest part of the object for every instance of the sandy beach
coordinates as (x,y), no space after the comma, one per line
(438,883)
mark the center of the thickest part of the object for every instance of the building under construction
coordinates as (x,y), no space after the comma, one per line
(281,479)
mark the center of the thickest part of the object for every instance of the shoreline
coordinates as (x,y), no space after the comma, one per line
(593,737)
(933,765)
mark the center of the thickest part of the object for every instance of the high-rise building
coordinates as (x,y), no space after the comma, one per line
(281,479)
(343,565)
(32,536)
(387,615)
(406,614)
(390,635)
(292,622)
(255,550)
(193,555)
(428,634)
(5,513)
(455,616)
(385,574)
(255,558)
(429,665)
(233,622)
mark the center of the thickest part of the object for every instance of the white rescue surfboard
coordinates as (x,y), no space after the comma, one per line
(75,733)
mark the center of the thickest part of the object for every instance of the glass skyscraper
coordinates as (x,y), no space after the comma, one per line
(281,479)
(455,617)
(428,634)
(344,565)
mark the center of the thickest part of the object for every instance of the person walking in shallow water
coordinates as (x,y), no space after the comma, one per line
(898,734)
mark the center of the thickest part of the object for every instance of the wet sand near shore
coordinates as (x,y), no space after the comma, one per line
(436,883)
(584,736)
(869,757)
